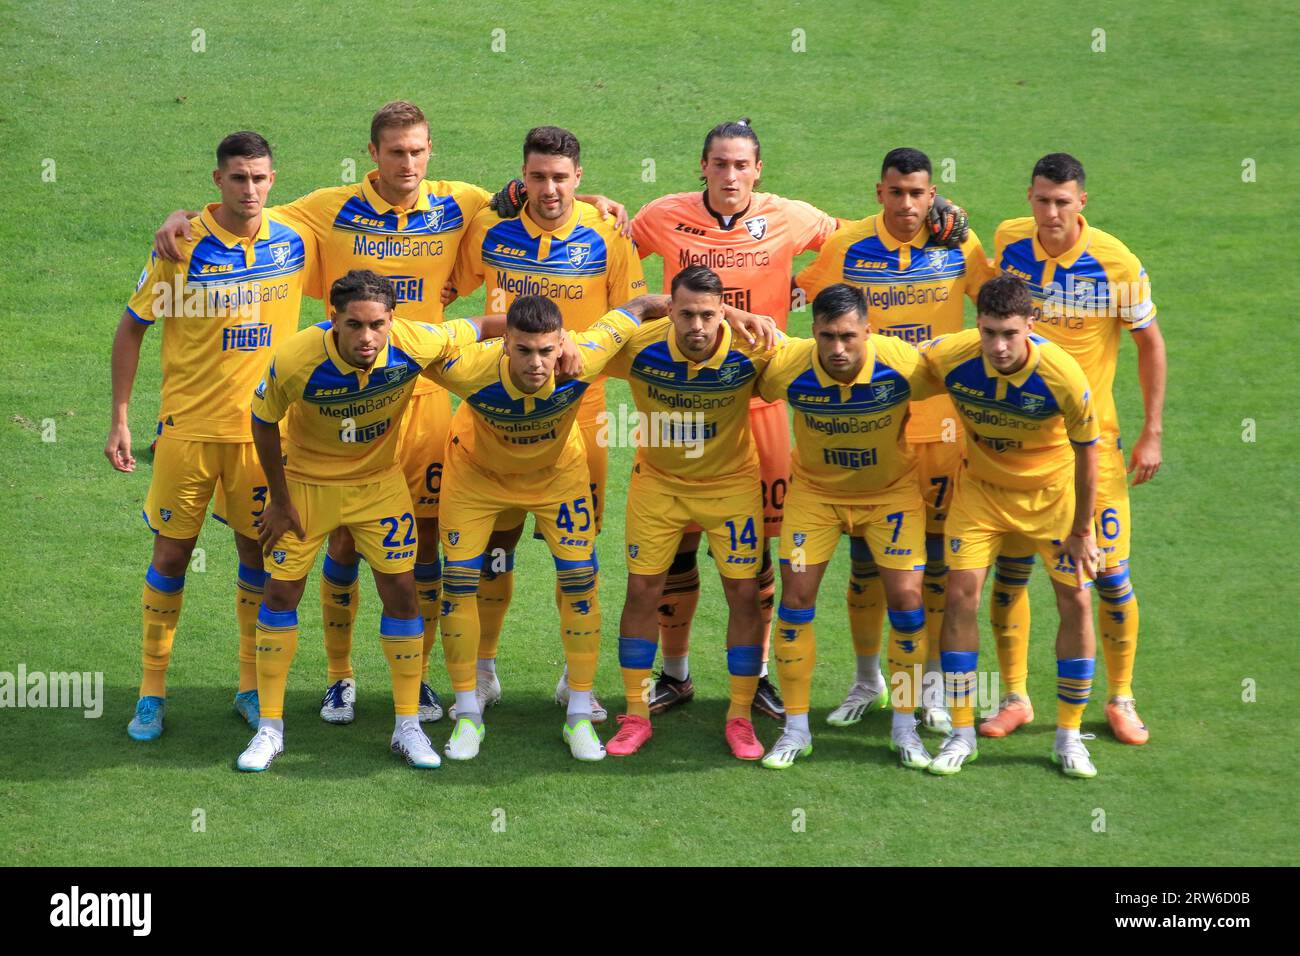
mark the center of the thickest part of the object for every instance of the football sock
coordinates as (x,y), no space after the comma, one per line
(248,600)
(1119,629)
(579,622)
(579,706)
(466,702)
(866,599)
(868,670)
(635,658)
(796,723)
(274,723)
(277,642)
(678,668)
(1009,615)
(902,722)
(743,663)
(796,656)
(161,606)
(906,658)
(934,591)
(428,589)
(1064,735)
(487,665)
(965,733)
(766,599)
(339,597)
(459,625)
(959,684)
(1073,686)
(677,606)
(494,592)
(402,638)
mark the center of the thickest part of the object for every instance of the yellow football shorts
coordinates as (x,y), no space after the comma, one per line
(983,517)
(938,463)
(476,500)
(811,530)
(185,476)
(658,516)
(377,513)
(421,445)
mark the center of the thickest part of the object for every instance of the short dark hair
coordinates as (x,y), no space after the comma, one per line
(697,279)
(1060,168)
(738,129)
(398,114)
(906,160)
(533,314)
(245,143)
(1004,296)
(362,285)
(835,300)
(551,141)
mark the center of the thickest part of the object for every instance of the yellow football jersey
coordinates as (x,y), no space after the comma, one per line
(510,432)
(224,306)
(914,292)
(342,426)
(415,248)
(695,435)
(1018,427)
(585,266)
(849,445)
(1082,300)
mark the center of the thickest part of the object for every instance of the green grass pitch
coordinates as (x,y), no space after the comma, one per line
(109,118)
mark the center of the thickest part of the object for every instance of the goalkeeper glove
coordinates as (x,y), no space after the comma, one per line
(510,199)
(947,222)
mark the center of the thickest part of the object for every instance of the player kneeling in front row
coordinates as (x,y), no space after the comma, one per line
(1031,470)
(344,386)
(852,473)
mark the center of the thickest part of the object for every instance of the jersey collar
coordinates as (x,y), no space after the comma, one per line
(1019,378)
(826,380)
(713,361)
(508,384)
(893,245)
(1071,255)
(346,368)
(209,219)
(718,217)
(381,205)
(562,233)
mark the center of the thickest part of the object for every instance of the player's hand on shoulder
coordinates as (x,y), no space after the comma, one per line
(753,328)
(947,222)
(118,449)
(280,518)
(176,226)
(608,207)
(570,363)
(509,200)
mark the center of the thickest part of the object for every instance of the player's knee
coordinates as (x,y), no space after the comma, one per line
(742,594)
(1073,604)
(171,556)
(963,596)
(281,595)
(643,592)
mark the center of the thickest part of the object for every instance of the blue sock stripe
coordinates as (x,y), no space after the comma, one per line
(162,582)
(400,626)
(1027,562)
(745,661)
(252,577)
(340,574)
(1076,668)
(958,662)
(1113,587)
(428,571)
(858,550)
(636,653)
(276,620)
(796,615)
(908,622)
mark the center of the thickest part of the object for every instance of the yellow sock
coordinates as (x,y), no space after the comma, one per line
(1119,629)
(401,639)
(906,658)
(636,656)
(743,664)
(428,588)
(1009,615)
(677,606)
(1073,686)
(866,600)
(277,642)
(339,599)
(579,622)
(161,608)
(459,621)
(248,599)
(796,655)
(959,677)
(495,589)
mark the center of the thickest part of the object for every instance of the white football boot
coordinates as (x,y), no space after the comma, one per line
(857,702)
(410,742)
(339,705)
(266,745)
(465,740)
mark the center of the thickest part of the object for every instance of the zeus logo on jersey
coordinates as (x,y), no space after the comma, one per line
(246,338)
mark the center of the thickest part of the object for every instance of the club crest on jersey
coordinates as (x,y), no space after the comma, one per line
(632,550)
(279,554)
(579,252)
(1032,403)
(938,258)
(433,218)
(165,514)
(757,226)
(395,374)
(882,391)
(954,544)
(279,253)
(728,373)
(453,537)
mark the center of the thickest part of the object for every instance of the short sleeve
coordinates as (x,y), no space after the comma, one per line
(624,279)
(157,291)
(810,227)
(1136,308)
(1075,400)
(827,269)
(979,269)
(271,400)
